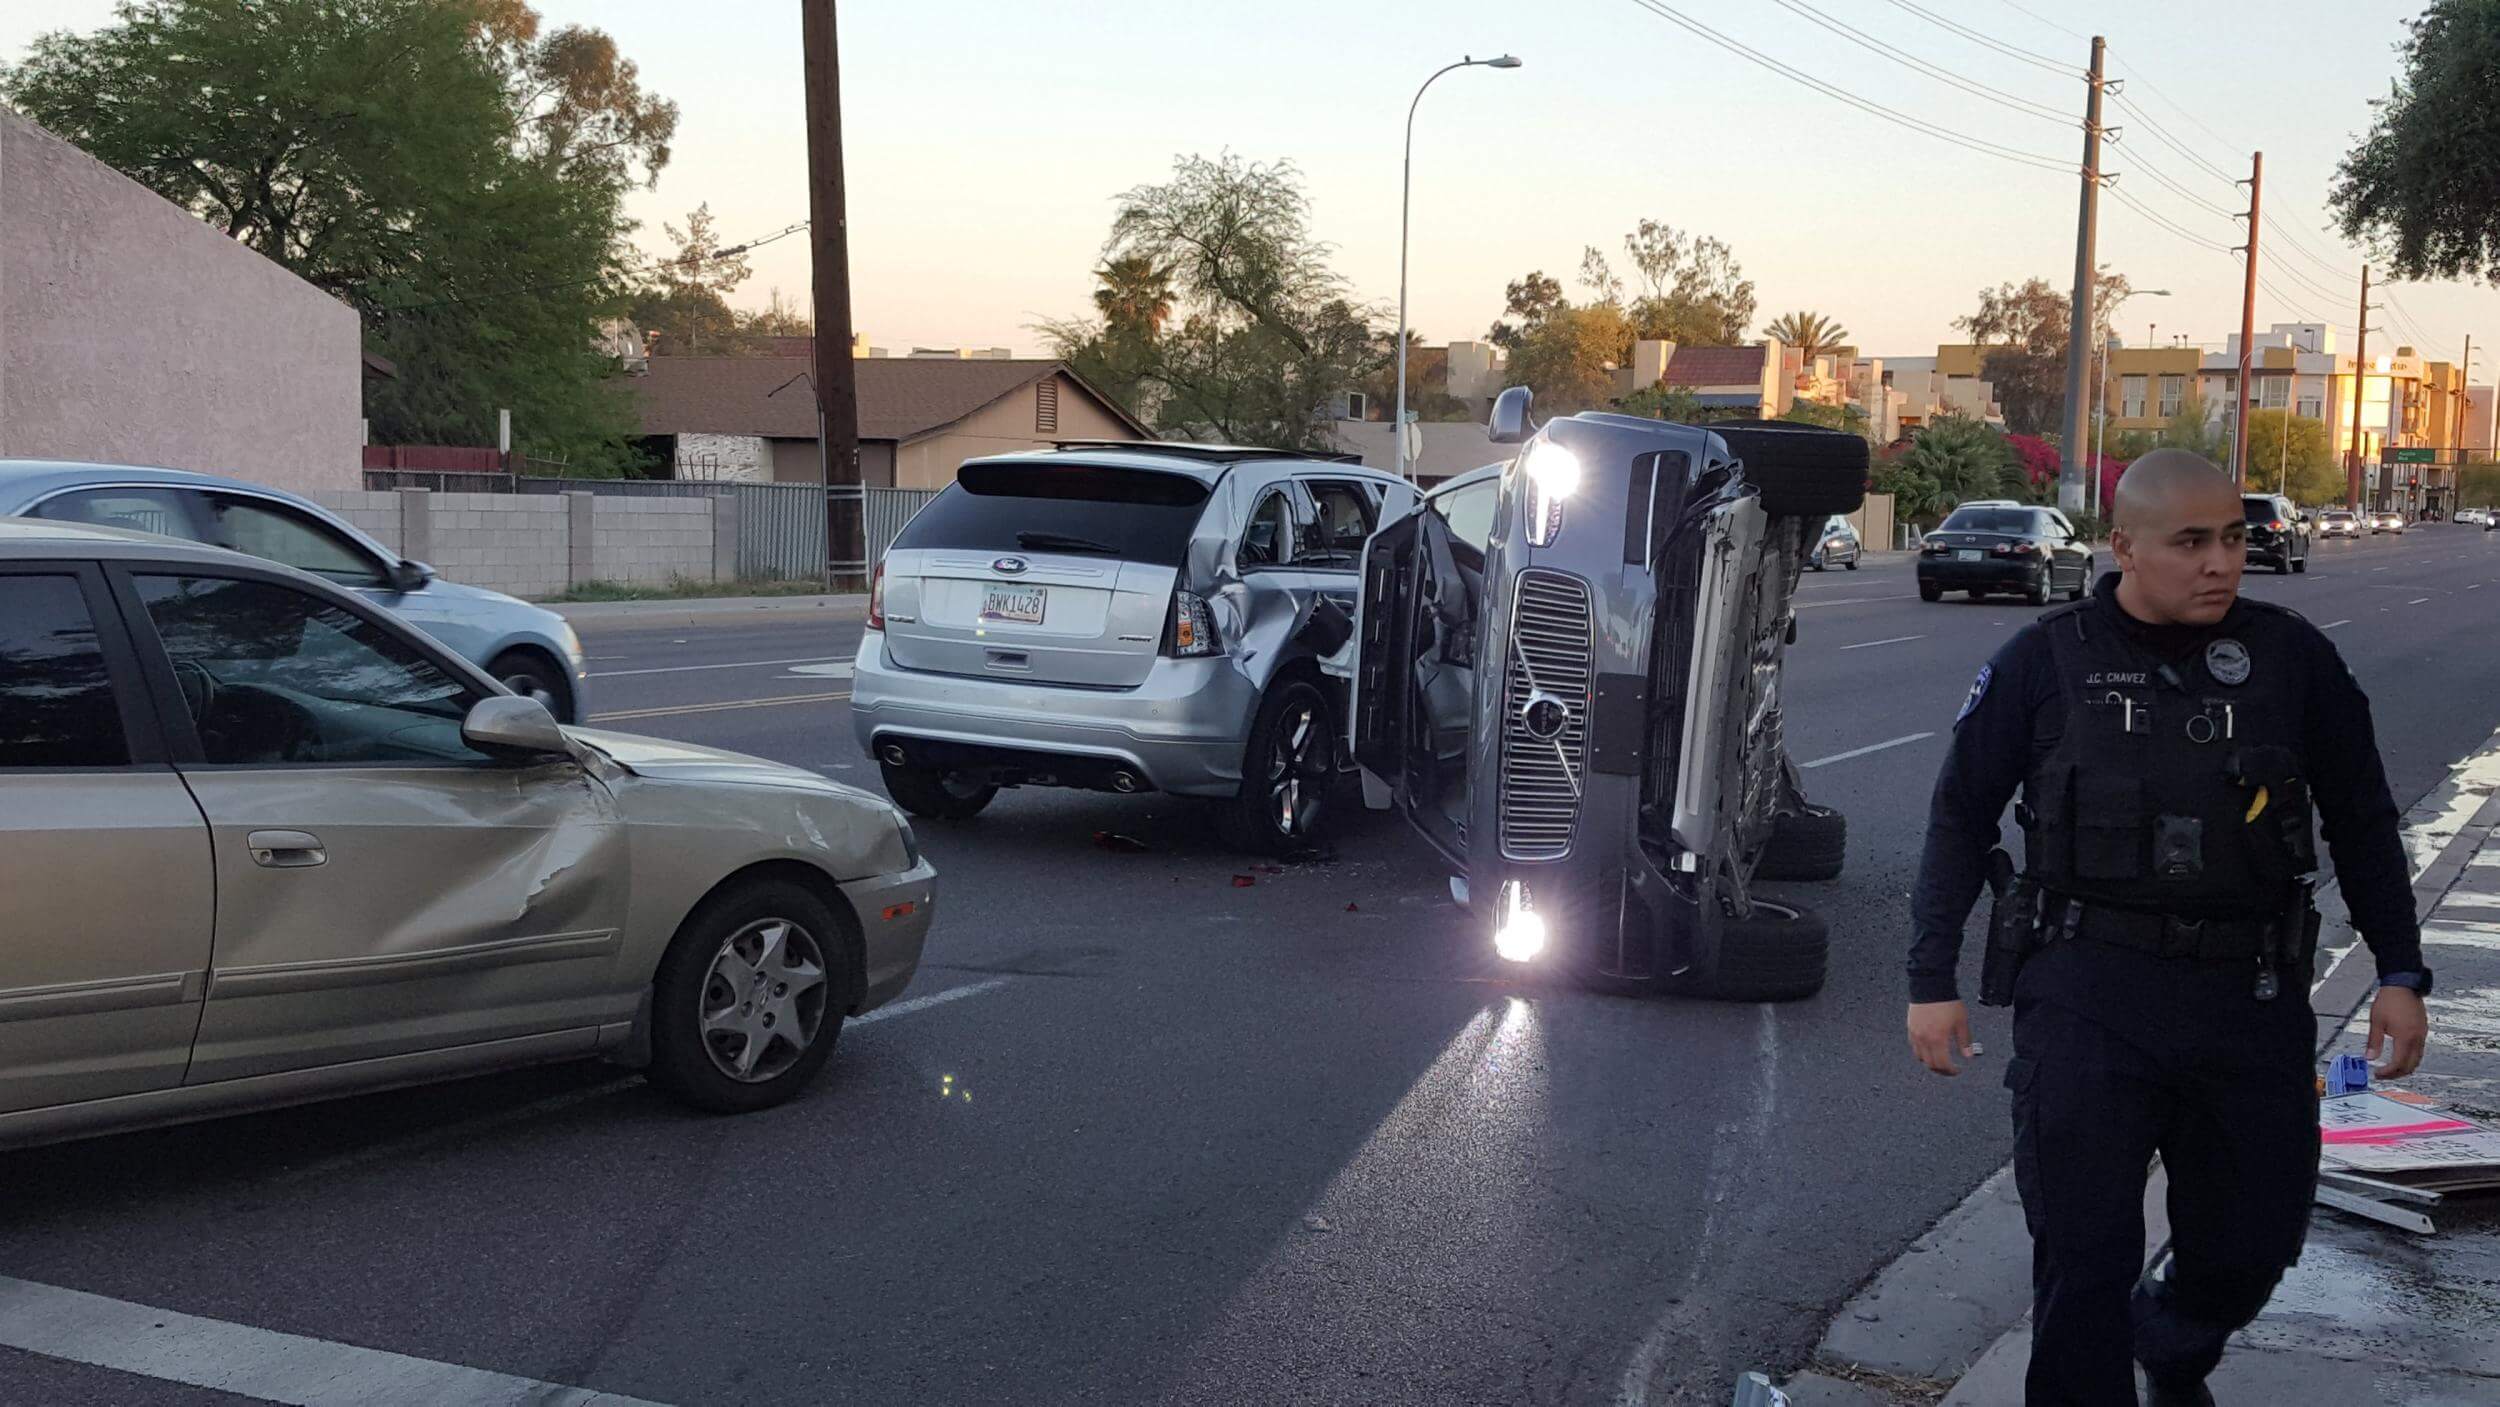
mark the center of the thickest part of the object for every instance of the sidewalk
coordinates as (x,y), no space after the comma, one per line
(2371,1314)
(714,610)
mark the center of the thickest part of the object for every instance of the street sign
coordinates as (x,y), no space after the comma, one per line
(2421,454)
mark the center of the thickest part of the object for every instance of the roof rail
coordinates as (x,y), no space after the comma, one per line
(1209,454)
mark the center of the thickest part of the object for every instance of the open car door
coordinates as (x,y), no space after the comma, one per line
(1418,635)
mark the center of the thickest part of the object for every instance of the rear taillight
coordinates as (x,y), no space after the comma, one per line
(2275,527)
(1191,631)
(876,599)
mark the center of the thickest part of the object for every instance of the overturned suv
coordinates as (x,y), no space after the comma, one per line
(1567,675)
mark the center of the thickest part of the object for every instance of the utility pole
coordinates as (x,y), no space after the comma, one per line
(2248,320)
(2360,377)
(2082,309)
(2456,437)
(836,379)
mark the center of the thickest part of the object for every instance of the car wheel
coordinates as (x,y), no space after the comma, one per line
(1851,564)
(936,795)
(1802,471)
(1929,591)
(532,675)
(749,998)
(1777,954)
(2283,564)
(1287,772)
(1815,561)
(2038,592)
(2301,562)
(2083,582)
(1805,847)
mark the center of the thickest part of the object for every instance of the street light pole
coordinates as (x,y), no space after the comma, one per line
(1406,196)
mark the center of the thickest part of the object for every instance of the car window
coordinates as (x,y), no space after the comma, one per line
(56,700)
(1135,515)
(1990,520)
(282,534)
(1344,524)
(1469,512)
(2259,510)
(273,674)
(1268,540)
(147,510)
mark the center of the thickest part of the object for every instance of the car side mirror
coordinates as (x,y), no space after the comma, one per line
(514,729)
(1510,423)
(408,576)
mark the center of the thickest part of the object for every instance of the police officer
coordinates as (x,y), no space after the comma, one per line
(2170,739)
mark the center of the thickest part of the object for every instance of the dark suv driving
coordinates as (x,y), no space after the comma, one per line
(2275,535)
(2005,549)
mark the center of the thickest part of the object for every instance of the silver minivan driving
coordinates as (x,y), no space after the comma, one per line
(1124,618)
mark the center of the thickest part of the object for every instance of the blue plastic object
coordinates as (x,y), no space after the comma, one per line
(2350,1074)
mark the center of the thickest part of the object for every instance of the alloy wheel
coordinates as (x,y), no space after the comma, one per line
(763,1000)
(1297,770)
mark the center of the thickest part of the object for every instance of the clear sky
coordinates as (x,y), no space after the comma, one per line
(988,139)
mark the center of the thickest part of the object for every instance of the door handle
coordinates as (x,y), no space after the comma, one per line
(286,850)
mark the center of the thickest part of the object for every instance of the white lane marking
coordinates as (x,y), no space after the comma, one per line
(2418,600)
(2473,586)
(693,668)
(722,706)
(906,1008)
(1863,751)
(2330,625)
(832,669)
(1871,644)
(1854,600)
(2378,569)
(262,1363)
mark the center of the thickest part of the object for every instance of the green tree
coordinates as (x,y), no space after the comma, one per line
(1964,459)
(686,297)
(1525,303)
(1269,341)
(1810,333)
(1692,291)
(2289,454)
(2196,426)
(1568,358)
(2422,187)
(2021,331)
(438,165)
(2478,486)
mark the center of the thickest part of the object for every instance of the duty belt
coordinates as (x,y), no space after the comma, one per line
(2162,935)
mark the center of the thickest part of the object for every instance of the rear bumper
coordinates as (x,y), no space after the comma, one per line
(894,914)
(1183,730)
(1986,574)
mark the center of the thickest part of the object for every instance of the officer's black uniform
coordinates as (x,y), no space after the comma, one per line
(2154,1017)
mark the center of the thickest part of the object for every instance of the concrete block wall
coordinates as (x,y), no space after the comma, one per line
(535,545)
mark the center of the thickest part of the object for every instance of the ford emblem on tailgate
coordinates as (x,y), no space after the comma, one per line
(1010,566)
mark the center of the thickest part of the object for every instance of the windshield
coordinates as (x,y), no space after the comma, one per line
(1992,520)
(1136,515)
(2259,510)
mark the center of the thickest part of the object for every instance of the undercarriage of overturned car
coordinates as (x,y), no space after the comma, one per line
(1567,676)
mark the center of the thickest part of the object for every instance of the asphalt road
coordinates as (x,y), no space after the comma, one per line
(1174,1140)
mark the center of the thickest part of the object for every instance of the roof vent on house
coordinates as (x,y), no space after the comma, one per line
(1046,406)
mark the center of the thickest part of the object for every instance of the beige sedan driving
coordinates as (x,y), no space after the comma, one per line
(262,843)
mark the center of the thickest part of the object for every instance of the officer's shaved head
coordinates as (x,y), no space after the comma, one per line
(2181,538)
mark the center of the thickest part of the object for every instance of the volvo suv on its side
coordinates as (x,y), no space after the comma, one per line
(1126,618)
(1567,676)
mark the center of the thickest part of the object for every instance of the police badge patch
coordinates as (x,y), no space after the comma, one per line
(2227,662)
(1979,690)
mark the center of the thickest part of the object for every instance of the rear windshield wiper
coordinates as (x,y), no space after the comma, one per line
(1061,542)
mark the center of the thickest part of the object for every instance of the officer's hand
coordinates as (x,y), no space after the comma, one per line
(1938,1032)
(2397,1019)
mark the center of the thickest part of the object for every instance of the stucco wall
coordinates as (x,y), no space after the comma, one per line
(525,543)
(132,332)
(724,459)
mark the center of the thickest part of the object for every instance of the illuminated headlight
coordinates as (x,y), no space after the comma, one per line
(1519,934)
(1553,475)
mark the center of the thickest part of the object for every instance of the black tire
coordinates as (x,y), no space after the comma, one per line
(2037,593)
(1779,954)
(1288,772)
(935,795)
(1851,564)
(2082,584)
(691,1058)
(2283,564)
(1929,591)
(2301,562)
(533,675)
(1802,471)
(1806,847)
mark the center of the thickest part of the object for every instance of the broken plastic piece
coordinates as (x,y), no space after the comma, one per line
(1243,881)
(1122,844)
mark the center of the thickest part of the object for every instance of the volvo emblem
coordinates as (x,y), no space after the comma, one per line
(1544,716)
(1010,566)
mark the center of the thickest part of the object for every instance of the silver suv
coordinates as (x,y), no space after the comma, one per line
(1125,618)
(1567,675)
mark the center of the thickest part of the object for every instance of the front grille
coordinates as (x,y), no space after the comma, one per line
(1541,776)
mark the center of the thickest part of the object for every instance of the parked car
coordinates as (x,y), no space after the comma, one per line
(2275,535)
(265,842)
(1839,546)
(2004,548)
(528,647)
(2387,523)
(1567,677)
(1126,618)
(2470,516)
(2338,522)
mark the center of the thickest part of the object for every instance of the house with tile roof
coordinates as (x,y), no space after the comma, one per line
(753,419)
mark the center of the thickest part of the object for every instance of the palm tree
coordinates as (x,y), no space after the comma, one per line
(1135,294)
(1810,333)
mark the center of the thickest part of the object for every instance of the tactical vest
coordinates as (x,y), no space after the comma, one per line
(2179,786)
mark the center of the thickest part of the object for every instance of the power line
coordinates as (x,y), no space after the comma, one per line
(681,262)
(2176,188)
(1867,41)
(2162,134)
(2030,13)
(2166,223)
(2151,87)
(2294,274)
(2011,51)
(2301,248)
(1872,108)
